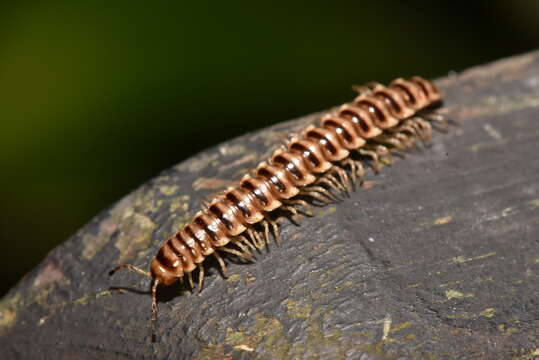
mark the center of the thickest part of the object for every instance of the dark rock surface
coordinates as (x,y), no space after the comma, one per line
(438,259)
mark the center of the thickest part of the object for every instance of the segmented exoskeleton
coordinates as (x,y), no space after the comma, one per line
(379,121)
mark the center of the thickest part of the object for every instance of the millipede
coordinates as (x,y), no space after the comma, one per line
(315,166)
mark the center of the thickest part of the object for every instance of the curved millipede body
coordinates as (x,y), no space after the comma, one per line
(378,121)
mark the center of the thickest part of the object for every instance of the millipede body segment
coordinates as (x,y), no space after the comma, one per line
(331,156)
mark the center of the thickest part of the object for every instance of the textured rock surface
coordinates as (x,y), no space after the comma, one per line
(438,259)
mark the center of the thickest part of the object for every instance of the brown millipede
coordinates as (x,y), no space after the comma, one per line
(379,121)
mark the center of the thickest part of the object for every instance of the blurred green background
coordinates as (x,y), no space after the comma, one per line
(98,97)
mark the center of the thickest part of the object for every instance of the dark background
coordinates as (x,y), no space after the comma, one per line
(96,99)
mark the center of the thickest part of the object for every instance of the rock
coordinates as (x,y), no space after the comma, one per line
(438,258)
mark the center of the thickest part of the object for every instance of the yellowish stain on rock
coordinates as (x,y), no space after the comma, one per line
(233,278)
(509,330)
(168,189)
(92,244)
(488,312)
(295,236)
(8,312)
(244,348)
(344,285)
(316,339)
(7,318)
(533,355)
(512,330)
(453,294)
(386,326)
(462,259)
(442,220)
(409,337)
(297,310)
(534,203)
(368,184)
(267,333)
(250,279)
(180,203)
(83,300)
(400,326)
(136,234)
(327,211)
(143,222)
(267,337)
(40,297)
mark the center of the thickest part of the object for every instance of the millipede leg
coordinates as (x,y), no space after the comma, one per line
(265,225)
(384,154)
(191,283)
(300,203)
(245,250)
(439,119)
(261,241)
(332,179)
(345,180)
(292,209)
(257,241)
(353,168)
(237,253)
(390,140)
(357,170)
(329,181)
(374,158)
(130,268)
(413,133)
(324,200)
(153,323)
(246,241)
(404,139)
(321,190)
(427,128)
(221,263)
(275,230)
(200,277)
(424,128)
(360,170)
(419,133)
